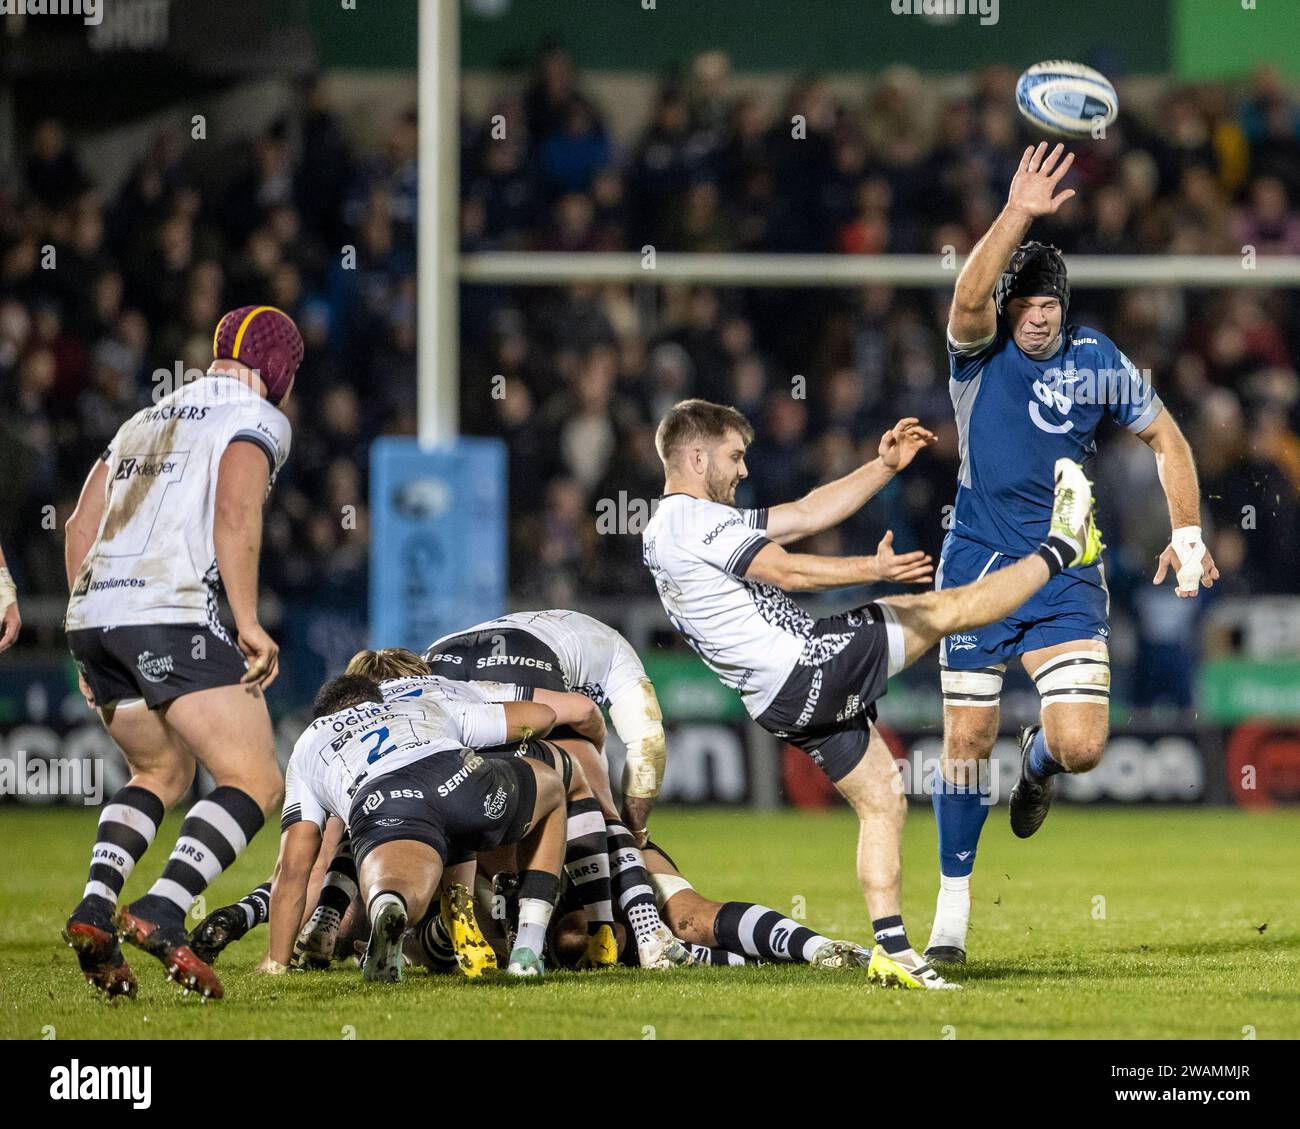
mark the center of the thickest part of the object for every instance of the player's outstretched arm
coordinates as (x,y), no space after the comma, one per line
(1186,553)
(299,846)
(807,572)
(830,504)
(973,316)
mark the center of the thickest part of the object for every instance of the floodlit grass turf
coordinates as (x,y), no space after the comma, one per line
(1113,923)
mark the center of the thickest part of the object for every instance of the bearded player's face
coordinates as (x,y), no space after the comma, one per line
(725,469)
(1034,323)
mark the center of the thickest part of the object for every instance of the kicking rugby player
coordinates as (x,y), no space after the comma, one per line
(722,574)
(173,506)
(561,650)
(404,776)
(1029,389)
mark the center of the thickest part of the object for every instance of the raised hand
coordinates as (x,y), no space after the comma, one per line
(1186,578)
(899,445)
(1033,189)
(901,568)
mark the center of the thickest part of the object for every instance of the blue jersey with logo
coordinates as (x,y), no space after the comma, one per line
(1016,416)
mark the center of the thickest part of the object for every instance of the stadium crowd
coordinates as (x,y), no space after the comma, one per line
(100,291)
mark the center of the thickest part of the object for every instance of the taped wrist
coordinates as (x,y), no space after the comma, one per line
(1190,550)
(638,722)
(1057,552)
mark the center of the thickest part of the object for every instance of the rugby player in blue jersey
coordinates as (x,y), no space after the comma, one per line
(1030,388)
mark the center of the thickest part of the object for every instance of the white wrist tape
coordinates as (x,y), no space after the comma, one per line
(665,886)
(638,721)
(8,593)
(1190,550)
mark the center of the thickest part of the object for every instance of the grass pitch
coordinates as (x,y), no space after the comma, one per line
(1152,923)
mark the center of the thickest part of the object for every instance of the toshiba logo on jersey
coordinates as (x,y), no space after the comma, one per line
(134,466)
(711,536)
(511,660)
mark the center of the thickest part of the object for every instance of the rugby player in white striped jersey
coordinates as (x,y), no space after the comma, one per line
(723,576)
(172,508)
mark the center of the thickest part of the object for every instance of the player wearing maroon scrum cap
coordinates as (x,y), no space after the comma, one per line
(171,508)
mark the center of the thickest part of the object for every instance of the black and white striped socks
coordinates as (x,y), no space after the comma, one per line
(127,826)
(703,954)
(257,904)
(339,889)
(586,861)
(757,931)
(630,882)
(890,934)
(215,831)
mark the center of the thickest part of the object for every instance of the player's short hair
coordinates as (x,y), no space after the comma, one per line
(390,662)
(344,691)
(690,420)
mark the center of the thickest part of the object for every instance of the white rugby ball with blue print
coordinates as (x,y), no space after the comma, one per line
(1066,99)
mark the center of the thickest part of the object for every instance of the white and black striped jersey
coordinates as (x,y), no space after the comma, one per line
(750,634)
(340,753)
(153,559)
(594,659)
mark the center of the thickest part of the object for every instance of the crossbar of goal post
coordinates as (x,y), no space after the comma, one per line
(547,268)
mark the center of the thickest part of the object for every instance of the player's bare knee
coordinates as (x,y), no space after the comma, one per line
(550,787)
(971,738)
(1079,752)
(263,782)
(169,782)
(274,797)
(578,786)
(883,799)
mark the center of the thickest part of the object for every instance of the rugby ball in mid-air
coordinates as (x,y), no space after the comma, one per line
(1067,99)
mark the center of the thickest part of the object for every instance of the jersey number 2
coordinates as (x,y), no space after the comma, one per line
(380,735)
